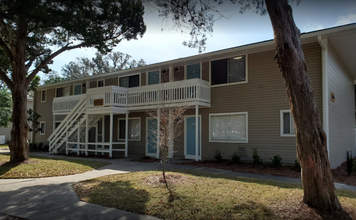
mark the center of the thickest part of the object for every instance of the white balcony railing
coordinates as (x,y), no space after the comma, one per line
(187,91)
(169,93)
(66,103)
(107,96)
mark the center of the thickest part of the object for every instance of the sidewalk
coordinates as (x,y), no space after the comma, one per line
(54,198)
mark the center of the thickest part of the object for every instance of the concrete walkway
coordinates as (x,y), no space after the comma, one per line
(54,198)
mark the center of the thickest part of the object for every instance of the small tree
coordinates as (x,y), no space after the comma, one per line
(170,119)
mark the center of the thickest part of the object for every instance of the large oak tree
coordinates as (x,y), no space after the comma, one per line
(33,32)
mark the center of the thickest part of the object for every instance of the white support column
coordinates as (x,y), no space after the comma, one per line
(158,139)
(111,133)
(196,132)
(103,134)
(78,140)
(126,134)
(96,139)
(171,134)
(86,134)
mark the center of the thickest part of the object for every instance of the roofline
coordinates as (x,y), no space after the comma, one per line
(306,37)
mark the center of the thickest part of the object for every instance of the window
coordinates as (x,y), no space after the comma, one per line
(77,89)
(153,77)
(231,127)
(42,127)
(193,71)
(43,95)
(231,70)
(64,91)
(100,83)
(287,124)
(134,128)
(129,81)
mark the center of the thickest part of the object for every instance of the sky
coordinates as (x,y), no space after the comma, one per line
(161,42)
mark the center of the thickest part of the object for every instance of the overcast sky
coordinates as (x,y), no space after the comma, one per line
(157,45)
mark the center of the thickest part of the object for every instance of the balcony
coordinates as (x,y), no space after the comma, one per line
(172,94)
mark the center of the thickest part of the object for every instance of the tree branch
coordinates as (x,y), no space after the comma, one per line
(6,79)
(49,58)
(6,49)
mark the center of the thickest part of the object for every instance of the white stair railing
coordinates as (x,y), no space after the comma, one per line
(58,136)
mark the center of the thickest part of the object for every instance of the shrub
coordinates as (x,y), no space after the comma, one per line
(256,158)
(218,156)
(45,147)
(276,161)
(297,165)
(349,162)
(235,159)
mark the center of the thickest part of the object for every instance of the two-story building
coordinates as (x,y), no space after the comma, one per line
(236,97)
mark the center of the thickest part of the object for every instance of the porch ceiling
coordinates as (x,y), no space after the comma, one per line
(345,46)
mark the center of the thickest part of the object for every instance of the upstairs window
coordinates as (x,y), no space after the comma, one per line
(287,124)
(43,95)
(100,83)
(153,77)
(129,81)
(193,71)
(231,70)
(77,89)
(64,91)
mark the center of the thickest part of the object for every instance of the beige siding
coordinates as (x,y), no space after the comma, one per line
(93,84)
(342,111)
(45,110)
(262,97)
(143,79)
(205,71)
(111,82)
(178,75)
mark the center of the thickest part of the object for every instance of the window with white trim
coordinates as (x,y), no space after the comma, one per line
(193,71)
(42,127)
(100,83)
(287,123)
(228,127)
(43,95)
(134,129)
(129,81)
(77,89)
(231,70)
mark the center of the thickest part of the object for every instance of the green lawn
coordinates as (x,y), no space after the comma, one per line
(201,196)
(45,167)
(4,146)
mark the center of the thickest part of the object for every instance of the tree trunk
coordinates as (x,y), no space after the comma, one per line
(317,180)
(19,147)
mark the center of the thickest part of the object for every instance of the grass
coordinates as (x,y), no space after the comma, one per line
(45,167)
(201,196)
(4,146)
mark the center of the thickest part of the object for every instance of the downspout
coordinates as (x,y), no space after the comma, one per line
(325,88)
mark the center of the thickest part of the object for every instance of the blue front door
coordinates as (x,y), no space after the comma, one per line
(190,138)
(151,137)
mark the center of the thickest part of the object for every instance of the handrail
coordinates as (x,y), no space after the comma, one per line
(73,115)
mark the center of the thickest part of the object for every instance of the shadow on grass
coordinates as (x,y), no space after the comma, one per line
(281,184)
(118,194)
(6,167)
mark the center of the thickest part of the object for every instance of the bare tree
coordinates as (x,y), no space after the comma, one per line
(170,120)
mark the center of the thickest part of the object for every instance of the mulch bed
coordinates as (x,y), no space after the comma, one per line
(340,174)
